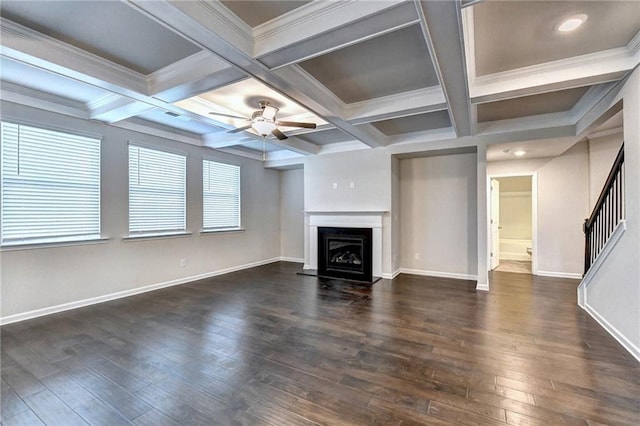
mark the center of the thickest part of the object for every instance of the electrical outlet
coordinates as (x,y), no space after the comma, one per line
(183,262)
(352,185)
(417,256)
(335,185)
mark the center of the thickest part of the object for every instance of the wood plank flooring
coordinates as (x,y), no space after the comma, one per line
(267,346)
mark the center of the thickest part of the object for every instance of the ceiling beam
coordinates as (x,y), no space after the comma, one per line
(225,140)
(112,107)
(322,27)
(34,98)
(195,74)
(441,25)
(397,105)
(206,25)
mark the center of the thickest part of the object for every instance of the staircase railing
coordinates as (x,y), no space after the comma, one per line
(607,213)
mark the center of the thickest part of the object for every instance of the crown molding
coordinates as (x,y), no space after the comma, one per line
(423,136)
(344,146)
(31,47)
(241,153)
(45,101)
(194,67)
(593,68)
(213,14)
(313,19)
(469,40)
(113,108)
(605,133)
(294,49)
(590,99)
(398,105)
(151,130)
(634,46)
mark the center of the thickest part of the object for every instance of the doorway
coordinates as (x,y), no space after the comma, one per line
(512,217)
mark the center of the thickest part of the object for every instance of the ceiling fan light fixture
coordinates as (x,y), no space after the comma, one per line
(571,23)
(263,127)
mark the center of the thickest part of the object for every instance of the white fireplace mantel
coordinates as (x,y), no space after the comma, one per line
(345,219)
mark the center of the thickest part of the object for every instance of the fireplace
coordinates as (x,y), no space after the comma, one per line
(345,253)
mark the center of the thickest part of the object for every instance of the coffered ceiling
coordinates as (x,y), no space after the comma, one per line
(405,74)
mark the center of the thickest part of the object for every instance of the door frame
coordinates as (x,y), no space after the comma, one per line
(534,215)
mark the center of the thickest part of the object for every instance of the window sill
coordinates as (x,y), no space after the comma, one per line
(155,236)
(221,231)
(52,244)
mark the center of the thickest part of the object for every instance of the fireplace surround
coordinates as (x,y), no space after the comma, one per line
(344,219)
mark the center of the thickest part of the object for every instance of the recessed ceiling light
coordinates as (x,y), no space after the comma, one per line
(571,23)
(519,153)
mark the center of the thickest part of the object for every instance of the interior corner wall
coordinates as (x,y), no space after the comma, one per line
(41,279)
(563,198)
(438,211)
(395,216)
(292,214)
(613,293)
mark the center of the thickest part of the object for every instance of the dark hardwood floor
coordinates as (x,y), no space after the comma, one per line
(267,346)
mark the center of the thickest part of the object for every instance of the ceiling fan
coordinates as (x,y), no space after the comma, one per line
(264,121)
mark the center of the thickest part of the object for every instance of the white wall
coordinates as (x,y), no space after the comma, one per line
(613,294)
(438,198)
(40,278)
(602,154)
(563,197)
(292,214)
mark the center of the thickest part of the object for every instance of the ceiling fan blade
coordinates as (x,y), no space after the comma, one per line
(296,124)
(278,134)
(229,115)
(239,129)
(269,112)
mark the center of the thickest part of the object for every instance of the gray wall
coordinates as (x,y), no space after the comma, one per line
(292,214)
(369,170)
(563,197)
(602,154)
(438,198)
(39,278)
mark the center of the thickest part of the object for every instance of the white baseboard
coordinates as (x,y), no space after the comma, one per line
(515,256)
(120,294)
(482,287)
(392,275)
(573,275)
(621,338)
(439,274)
(292,259)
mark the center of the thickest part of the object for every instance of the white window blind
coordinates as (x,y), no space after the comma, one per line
(220,195)
(50,186)
(157,191)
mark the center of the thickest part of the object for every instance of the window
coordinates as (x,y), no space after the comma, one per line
(157,188)
(220,195)
(50,186)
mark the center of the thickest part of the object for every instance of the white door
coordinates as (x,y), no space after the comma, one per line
(495,223)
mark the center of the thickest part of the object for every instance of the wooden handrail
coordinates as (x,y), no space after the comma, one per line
(615,169)
(606,214)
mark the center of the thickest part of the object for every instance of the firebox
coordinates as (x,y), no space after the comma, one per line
(345,253)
